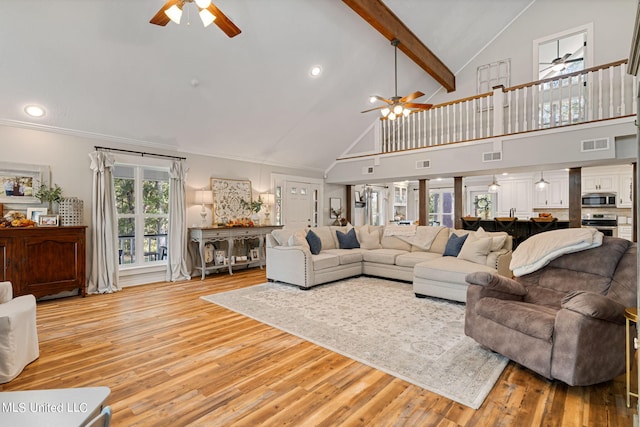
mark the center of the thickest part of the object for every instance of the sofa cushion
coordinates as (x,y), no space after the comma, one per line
(347,256)
(476,249)
(393,242)
(436,245)
(315,244)
(324,260)
(448,269)
(534,320)
(454,245)
(412,258)
(382,256)
(327,236)
(347,240)
(369,237)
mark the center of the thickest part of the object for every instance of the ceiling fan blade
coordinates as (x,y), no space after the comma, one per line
(161,18)
(418,106)
(224,23)
(412,96)
(573,60)
(374,109)
(379,98)
(565,57)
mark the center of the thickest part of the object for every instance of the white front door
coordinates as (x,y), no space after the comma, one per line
(300,204)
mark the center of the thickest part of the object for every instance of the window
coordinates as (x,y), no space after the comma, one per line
(441,207)
(142,208)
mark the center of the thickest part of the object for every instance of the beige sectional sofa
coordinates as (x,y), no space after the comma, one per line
(408,253)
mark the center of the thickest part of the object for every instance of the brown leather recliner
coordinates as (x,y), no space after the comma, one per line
(565,321)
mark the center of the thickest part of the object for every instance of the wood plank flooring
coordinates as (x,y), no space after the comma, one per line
(172,359)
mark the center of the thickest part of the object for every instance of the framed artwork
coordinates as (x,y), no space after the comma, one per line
(34,213)
(255,254)
(19,182)
(48,220)
(335,207)
(228,195)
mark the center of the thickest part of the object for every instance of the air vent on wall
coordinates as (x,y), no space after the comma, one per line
(367,170)
(594,144)
(492,156)
(423,164)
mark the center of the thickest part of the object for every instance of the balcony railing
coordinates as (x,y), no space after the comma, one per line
(598,93)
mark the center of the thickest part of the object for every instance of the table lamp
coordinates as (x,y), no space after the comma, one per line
(204,197)
(268,199)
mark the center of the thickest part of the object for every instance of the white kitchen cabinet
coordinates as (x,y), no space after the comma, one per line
(515,194)
(625,191)
(554,195)
(599,183)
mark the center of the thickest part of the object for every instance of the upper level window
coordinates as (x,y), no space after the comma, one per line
(142,205)
(563,53)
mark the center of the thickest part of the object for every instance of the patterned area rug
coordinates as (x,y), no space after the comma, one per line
(383,325)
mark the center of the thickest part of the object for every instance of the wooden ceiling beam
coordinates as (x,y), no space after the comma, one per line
(380,17)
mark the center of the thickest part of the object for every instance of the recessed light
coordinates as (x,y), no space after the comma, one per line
(34,111)
(315,71)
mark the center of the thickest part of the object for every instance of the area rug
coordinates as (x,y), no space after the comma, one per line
(383,325)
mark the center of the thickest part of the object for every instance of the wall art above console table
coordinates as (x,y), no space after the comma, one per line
(225,248)
(43,261)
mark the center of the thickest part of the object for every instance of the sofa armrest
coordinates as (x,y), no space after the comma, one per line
(494,285)
(594,305)
(502,264)
(290,264)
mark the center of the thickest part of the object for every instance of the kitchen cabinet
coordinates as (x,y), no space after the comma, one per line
(625,191)
(43,261)
(515,194)
(599,183)
(554,195)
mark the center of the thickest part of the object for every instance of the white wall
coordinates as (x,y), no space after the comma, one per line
(613,22)
(68,158)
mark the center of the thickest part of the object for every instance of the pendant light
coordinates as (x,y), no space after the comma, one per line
(494,186)
(541,184)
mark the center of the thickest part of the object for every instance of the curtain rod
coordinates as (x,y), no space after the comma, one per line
(140,153)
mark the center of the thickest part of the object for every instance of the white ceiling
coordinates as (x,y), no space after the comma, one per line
(99,67)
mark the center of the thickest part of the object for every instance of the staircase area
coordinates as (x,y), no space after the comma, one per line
(599,93)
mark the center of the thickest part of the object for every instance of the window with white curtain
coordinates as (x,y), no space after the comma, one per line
(142,206)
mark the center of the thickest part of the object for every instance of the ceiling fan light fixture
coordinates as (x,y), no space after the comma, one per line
(385,112)
(206,17)
(398,109)
(203,4)
(372,99)
(406,112)
(391,116)
(174,13)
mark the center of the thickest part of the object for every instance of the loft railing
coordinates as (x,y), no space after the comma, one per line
(598,93)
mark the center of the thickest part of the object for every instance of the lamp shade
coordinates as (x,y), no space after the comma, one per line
(268,198)
(204,197)
(206,17)
(174,13)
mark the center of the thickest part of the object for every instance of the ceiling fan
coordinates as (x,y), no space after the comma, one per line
(397,106)
(209,13)
(560,63)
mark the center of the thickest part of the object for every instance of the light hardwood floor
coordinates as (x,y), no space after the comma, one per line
(172,359)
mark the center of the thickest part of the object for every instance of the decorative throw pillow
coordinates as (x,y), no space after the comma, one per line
(498,238)
(369,237)
(315,244)
(348,240)
(298,238)
(454,244)
(476,249)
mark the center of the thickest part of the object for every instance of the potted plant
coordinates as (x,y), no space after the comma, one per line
(49,194)
(253,207)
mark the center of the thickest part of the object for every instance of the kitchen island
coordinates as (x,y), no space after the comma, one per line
(519,229)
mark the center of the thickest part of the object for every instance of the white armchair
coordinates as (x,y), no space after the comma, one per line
(18,333)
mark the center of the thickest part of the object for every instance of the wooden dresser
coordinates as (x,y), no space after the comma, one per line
(43,260)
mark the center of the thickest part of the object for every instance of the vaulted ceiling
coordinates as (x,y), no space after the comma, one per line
(100,69)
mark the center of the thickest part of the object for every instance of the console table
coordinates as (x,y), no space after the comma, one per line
(225,240)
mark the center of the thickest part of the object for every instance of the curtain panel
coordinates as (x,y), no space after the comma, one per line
(178,234)
(103,277)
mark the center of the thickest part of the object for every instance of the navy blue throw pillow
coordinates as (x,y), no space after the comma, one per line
(454,245)
(348,240)
(315,244)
